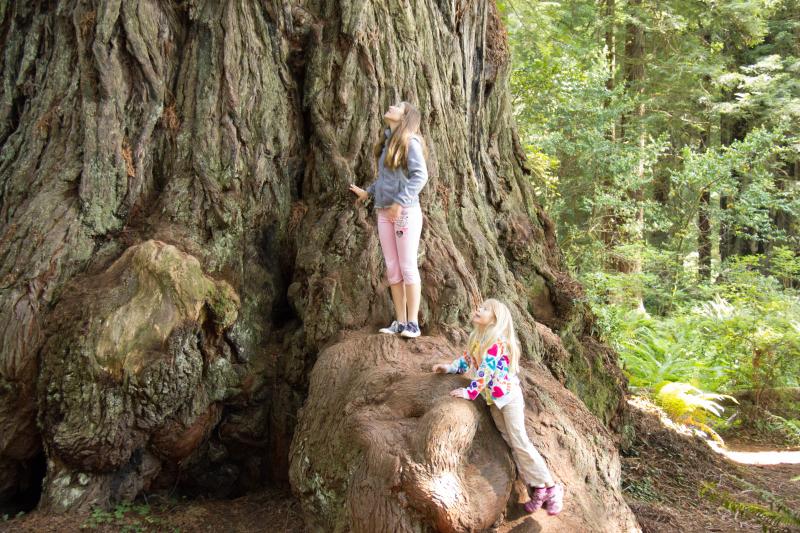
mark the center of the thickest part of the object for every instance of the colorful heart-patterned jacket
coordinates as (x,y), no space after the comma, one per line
(492,377)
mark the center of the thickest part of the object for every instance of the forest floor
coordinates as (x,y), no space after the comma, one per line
(664,474)
(676,482)
(271,510)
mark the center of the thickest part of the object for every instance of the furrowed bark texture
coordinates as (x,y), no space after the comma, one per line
(177,243)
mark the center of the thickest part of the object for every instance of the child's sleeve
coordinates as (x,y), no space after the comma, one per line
(371,189)
(417,172)
(485,372)
(458,366)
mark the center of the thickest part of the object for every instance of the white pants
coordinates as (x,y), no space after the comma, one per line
(510,421)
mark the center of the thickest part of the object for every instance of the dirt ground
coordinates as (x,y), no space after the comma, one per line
(272,510)
(664,474)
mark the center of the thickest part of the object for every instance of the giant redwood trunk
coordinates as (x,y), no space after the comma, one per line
(177,246)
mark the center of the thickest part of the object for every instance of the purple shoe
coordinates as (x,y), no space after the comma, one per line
(538,496)
(410,330)
(554,499)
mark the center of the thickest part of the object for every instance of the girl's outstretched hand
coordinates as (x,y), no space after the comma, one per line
(460,393)
(358,191)
(440,369)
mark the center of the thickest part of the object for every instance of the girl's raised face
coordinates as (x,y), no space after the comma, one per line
(395,113)
(483,316)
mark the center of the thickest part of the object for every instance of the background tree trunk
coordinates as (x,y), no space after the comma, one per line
(731,129)
(704,236)
(631,225)
(224,134)
(611,55)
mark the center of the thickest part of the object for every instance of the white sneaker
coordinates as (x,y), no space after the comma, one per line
(411,330)
(394,329)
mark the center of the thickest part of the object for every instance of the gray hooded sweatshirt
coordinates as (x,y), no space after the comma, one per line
(400,185)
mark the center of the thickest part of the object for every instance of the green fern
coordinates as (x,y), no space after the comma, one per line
(688,405)
(651,359)
(788,428)
(772,518)
(765,496)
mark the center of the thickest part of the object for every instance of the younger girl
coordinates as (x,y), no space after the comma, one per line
(402,173)
(492,360)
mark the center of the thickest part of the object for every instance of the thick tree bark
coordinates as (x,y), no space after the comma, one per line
(139,349)
(220,137)
(138,120)
(387,449)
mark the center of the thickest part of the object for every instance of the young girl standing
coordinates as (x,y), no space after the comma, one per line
(492,360)
(402,173)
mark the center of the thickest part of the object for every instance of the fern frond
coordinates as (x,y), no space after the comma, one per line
(770,519)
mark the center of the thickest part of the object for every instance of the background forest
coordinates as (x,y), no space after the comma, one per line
(664,141)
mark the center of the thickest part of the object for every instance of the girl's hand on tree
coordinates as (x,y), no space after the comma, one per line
(440,369)
(394,212)
(459,393)
(359,192)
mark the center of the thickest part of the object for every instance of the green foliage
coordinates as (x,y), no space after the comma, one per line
(642,490)
(654,357)
(565,112)
(749,173)
(787,429)
(707,66)
(127,518)
(690,406)
(746,336)
(772,513)
(682,401)
(785,265)
(704,147)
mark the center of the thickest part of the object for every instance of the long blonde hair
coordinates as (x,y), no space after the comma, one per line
(397,151)
(482,338)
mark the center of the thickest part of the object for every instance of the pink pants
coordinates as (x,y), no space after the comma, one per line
(400,242)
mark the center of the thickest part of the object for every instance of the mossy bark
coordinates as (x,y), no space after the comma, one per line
(230,131)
